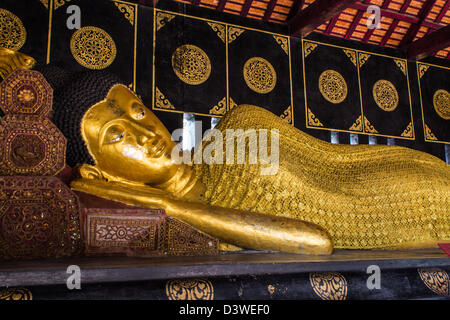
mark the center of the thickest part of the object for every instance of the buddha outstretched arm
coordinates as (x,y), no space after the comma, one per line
(241,228)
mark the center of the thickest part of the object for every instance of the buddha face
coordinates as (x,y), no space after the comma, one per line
(127,141)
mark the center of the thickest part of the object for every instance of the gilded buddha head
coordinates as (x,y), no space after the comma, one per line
(126,140)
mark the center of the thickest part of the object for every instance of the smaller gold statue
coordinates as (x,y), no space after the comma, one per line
(11,60)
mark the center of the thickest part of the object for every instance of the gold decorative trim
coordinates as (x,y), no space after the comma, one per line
(283,42)
(233,33)
(220,108)
(93,48)
(363,57)
(259,75)
(192,289)
(127,10)
(161,101)
(287,115)
(312,119)
(368,127)
(408,133)
(385,95)
(162,18)
(352,55)
(15,294)
(219,29)
(436,279)
(402,65)
(333,86)
(357,126)
(429,135)
(441,103)
(60,3)
(191,64)
(422,69)
(232,104)
(12,32)
(329,285)
(309,47)
(45,3)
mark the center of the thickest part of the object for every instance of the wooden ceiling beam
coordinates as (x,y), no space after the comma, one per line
(296,8)
(246,7)
(414,29)
(316,14)
(221,5)
(371,31)
(443,12)
(431,43)
(269,10)
(394,24)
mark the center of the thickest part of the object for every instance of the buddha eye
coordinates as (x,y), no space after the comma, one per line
(137,112)
(114,134)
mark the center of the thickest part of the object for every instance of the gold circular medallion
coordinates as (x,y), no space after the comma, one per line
(441,102)
(329,285)
(192,289)
(260,75)
(385,95)
(437,280)
(15,294)
(332,86)
(12,31)
(93,48)
(191,64)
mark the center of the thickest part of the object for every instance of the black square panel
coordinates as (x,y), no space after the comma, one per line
(24,27)
(106,40)
(332,97)
(259,70)
(434,84)
(386,96)
(190,61)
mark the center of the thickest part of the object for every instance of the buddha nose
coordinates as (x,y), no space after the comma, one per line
(142,140)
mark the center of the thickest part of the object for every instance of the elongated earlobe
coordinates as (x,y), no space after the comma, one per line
(90,172)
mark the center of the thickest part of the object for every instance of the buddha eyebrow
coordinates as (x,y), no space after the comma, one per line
(112,105)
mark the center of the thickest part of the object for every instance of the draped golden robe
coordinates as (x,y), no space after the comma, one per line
(364,196)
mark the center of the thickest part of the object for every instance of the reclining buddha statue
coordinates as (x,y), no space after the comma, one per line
(323,196)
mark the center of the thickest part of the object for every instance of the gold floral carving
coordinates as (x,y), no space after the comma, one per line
(422,69)
(357,126)
(259,75)
(15,294)
(368,127)
(59,3)
(191,64)
(312,119)
(408,133)
(283,42)
(437,280)
(161,101)
(127,10)
(233,33)
(308,48)
(385,95)
(363,57)
(352,55)
(45,3)
(441,103)
(287,115)
(12,31)
(192,289)
(93,48)
(232,104)
(332,86)
(329,285)
(220,108)
(401,64)
(219,29)
(162,18)
(429,135)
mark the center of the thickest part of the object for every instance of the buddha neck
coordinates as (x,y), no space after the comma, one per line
(184,184)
